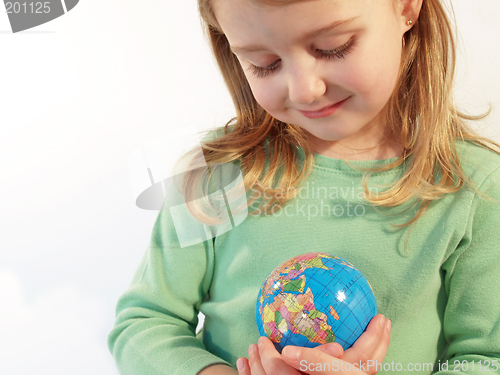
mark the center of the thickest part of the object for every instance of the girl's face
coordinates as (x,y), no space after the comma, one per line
(306,56)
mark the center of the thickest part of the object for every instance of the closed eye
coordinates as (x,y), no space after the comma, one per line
(337,53)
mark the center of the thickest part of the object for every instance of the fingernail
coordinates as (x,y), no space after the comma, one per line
(240,365)
(291,352)
(388,325)
(251,349)
(382,321)
(261,341)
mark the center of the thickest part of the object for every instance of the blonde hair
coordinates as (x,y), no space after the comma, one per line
(421,112)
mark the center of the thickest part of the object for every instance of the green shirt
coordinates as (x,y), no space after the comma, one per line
(441,292)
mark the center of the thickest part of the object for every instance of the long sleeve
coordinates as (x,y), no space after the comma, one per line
(441,292)
(156,317)
(472,280)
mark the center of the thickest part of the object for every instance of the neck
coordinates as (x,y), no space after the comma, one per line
(380,148)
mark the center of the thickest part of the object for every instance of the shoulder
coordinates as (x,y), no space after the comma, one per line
(478,163)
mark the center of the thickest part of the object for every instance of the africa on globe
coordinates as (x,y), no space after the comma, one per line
(314,299)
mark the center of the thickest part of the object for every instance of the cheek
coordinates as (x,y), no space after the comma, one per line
(266,95)
(375,75)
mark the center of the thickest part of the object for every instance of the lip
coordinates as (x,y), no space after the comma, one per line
(324,112)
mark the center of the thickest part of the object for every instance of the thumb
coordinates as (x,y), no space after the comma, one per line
(333,348)
(312,360)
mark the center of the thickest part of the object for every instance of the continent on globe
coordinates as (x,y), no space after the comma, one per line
(297,314)
(314,299)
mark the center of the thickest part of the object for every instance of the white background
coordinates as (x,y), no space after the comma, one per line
(77,96)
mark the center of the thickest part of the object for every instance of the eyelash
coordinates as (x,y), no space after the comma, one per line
(338,53)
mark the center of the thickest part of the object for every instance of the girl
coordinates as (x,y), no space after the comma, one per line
(349,143)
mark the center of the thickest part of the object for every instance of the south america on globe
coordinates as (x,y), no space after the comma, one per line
(314,299)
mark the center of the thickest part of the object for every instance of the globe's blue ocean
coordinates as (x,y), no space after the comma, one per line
(314,299)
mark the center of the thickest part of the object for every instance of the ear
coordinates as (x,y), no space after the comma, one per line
(409,10)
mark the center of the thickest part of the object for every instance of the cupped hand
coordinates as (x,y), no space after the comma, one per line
(264,359)
(366,354)
(368,351)
(372,345)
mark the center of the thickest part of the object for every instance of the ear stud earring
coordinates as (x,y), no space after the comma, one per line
(409,22)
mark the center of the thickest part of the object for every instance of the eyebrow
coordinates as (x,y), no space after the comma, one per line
(315,33)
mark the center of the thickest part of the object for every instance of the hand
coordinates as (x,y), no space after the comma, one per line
(372,345)
(367,353)
(264,359)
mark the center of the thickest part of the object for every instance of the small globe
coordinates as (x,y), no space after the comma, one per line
(314,299)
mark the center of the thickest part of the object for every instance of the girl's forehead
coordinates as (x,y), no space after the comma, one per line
(294,8)
(276,4)
(248,15)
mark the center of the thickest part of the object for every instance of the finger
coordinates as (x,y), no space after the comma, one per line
(243,366)
(381,350)
(271,360)
(368,343)
(334,349)
(254,361)
(313,361)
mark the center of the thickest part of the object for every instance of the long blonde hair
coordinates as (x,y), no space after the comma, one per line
(421,112)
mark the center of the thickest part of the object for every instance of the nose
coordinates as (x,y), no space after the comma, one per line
(305,84)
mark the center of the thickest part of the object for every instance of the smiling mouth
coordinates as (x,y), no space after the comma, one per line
(326,111)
